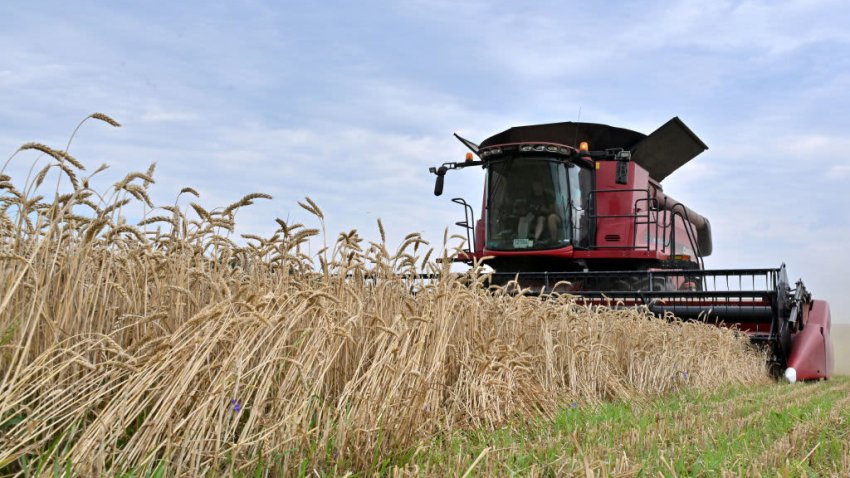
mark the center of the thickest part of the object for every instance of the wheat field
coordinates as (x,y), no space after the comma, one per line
(172,346)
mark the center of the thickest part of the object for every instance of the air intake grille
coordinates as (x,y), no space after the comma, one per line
(612,238)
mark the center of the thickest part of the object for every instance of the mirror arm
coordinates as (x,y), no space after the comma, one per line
(442,170)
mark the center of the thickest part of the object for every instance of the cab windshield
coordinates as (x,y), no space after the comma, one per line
(536,203)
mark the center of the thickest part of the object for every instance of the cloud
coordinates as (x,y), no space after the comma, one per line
(351,104)
(159,115)
(838,172)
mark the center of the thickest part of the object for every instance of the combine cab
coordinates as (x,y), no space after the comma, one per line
(560,216)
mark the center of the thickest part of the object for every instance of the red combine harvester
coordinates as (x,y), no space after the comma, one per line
(555,210)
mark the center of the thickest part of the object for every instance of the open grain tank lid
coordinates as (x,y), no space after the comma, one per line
(663,151)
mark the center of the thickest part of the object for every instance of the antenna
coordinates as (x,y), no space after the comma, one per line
(575,139)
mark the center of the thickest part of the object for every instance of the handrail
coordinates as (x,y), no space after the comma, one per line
(468,223)
(651,219)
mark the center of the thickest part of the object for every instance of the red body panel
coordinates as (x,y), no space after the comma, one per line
(811,348)
(569,252)
(616,200)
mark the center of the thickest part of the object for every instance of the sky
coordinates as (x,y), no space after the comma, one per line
(349,103)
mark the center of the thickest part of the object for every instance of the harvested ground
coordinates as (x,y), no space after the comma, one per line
(773,429)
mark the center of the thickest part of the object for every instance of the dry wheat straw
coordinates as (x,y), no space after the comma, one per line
(188,348)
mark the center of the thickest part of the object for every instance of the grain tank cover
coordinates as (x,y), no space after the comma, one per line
(665,150)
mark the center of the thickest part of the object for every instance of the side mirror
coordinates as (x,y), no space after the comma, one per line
(441,176)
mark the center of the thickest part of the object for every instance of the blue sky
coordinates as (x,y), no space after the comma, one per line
(350,103)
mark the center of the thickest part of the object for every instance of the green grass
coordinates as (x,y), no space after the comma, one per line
(772,429)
